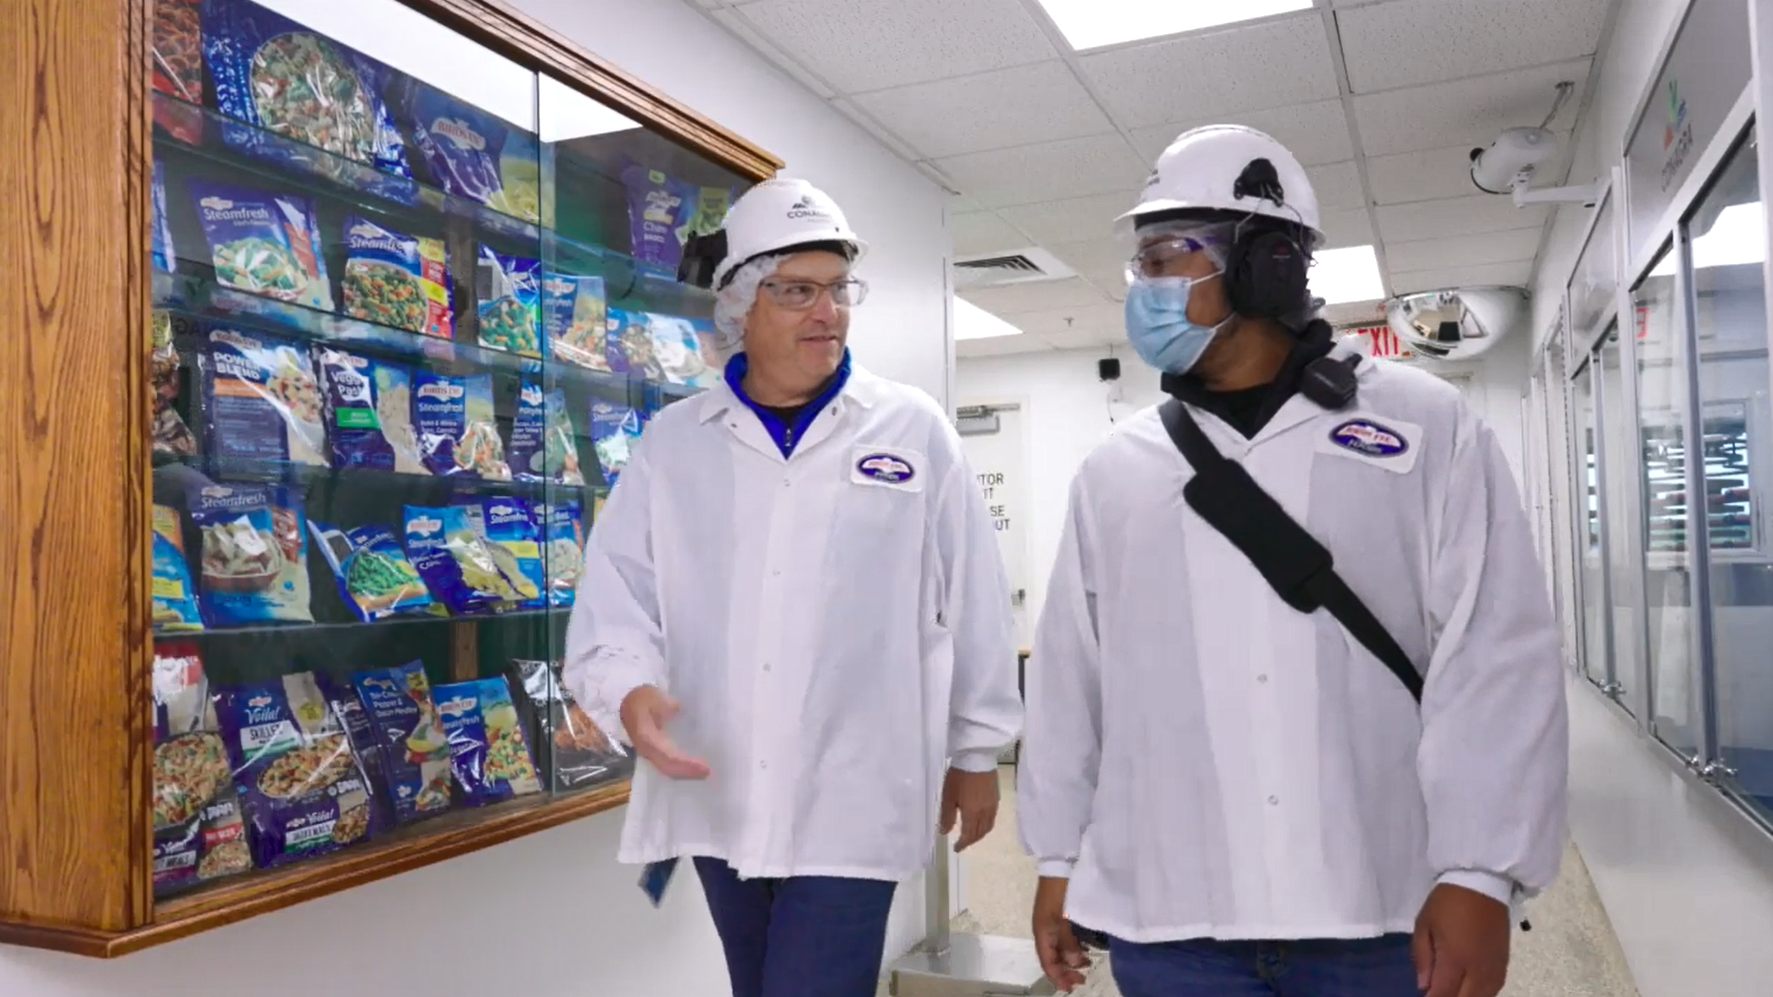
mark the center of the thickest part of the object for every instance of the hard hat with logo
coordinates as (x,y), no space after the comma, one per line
(1230,169)
(778,215)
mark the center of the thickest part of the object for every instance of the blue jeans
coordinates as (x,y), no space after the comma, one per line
(806,936)
(1366,967)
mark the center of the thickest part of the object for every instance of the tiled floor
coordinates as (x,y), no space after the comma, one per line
(1571,951)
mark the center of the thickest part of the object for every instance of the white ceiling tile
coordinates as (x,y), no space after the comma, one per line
(1425,41)
(1037,296)
(1465,112)
(887,136)
(1073,219)
(999,346)
(1092,254)
(1272,64)
(1421,176)
(1516,274)
(1023,105)
(871,46)
(1032,174)
(1337,185)
(983,232)
(743,30)
(1316,133)
(1079,339)
(1347,227)
(1107,319)
(1471,215)
(1463,250)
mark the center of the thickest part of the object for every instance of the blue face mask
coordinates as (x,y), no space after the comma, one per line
(1158,325)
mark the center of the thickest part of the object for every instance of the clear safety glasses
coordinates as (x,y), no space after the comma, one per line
(799,295)
(1154,260)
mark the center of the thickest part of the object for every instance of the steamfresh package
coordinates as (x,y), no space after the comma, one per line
(615,431)
(394,404)
(451,555)
(254,563)
(488,752)
(374,576)
(574,320)
(509,291)
(563,537)
(476,155)
(630,345)
(509,528)
(396,280)
(263,242)
(660,209)
(301,787)
(160,243)
(175,598)
(677,346)
(198,831)
(580,754)
(261,400)
(414,747)
(543,445)
(458,432)
(178,69)
(318,99)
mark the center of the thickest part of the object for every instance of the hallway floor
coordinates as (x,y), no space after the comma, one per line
(1571,951)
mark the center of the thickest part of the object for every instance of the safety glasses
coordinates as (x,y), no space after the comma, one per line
(799,295)
(1154,260)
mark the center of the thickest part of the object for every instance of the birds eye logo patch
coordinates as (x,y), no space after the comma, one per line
(1369,439)
(885,468)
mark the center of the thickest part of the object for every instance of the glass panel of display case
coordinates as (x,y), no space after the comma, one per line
(1592,592)
(1729,247)
(1624,567)
(1671,563)
(347,309)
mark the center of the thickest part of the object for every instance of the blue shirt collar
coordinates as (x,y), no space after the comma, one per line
(786,437)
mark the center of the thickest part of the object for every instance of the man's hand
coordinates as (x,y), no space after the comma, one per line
(644,714)
(973,797)
(1461,944)
(1061,957)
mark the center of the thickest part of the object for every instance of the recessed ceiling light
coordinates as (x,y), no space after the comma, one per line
(1342,275)
(973,322)
(1090,24)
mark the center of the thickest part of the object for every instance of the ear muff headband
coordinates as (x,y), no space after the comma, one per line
(1265,273)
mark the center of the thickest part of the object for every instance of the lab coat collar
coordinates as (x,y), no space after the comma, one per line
(862,389)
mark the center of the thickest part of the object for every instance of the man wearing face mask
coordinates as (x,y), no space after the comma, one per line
(793,608)
(1295,720)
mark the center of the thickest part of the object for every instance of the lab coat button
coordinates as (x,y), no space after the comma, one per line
(1274,801)
(766,666)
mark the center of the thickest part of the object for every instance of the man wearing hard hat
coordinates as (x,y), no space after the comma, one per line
(1295,715)
(794,609)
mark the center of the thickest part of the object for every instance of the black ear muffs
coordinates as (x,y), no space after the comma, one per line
(1265,274)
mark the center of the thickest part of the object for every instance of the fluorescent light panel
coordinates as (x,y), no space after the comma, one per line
(1342,275)
(1088,24)
(973,322)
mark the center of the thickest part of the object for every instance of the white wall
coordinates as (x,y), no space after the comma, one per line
(553,915)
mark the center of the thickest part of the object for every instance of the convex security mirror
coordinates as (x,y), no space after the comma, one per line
(1458,323)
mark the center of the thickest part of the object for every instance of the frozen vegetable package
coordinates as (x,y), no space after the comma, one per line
(630,345)
(488,751)
(396,280)
(476,155)
(160,244)
(254,564)
(458,431)
(261,400)
(369,413)
(509,291)
(175,598)
(660,209)
(171,434)
(574,320)
(677,346)
(263,242)
(198,832)
(374,576)
(712,204)
(563,536)
(323,97)
(615,431)
(366,743)
(449,549)
(508,525)
(543,445)
(178,68)
(581,753)
(414,747)
(301,787)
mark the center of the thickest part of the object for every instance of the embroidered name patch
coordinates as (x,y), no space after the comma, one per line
(886,468)
(1369,439)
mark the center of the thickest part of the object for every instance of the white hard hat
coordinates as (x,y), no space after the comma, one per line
(780,214)
(1219,168)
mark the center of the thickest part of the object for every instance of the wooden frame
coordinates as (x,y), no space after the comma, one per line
(75,562)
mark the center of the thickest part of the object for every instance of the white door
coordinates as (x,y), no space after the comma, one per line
(1000,463)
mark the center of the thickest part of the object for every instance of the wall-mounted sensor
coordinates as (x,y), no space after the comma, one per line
(1108,368)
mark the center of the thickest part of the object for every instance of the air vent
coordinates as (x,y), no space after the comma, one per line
(1023,266)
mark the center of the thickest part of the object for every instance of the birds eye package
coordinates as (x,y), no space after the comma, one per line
(508,528)
(509,291)
(660,210)
(543,444)
(263,242)
(488,752)
(396,280)
(374,576)
(414,747)
(678,350)
(575,320)
(452,556)
(198,831)
(254,564)
(563,536)
(476,155)
(615,431)
(458,431)
(175,597)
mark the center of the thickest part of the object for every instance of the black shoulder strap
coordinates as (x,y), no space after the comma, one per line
(1300,569)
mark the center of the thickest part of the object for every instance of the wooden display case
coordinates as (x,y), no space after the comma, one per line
(81,715)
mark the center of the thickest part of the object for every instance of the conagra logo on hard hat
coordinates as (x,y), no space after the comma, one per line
(805,208)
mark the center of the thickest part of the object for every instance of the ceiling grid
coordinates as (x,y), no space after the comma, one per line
(1382,100)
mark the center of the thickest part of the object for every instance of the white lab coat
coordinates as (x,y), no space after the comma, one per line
(1202,760)
(836,629)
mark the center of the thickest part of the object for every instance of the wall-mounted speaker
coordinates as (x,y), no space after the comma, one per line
(1108,368)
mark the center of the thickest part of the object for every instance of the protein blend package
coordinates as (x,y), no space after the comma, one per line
(261,400)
